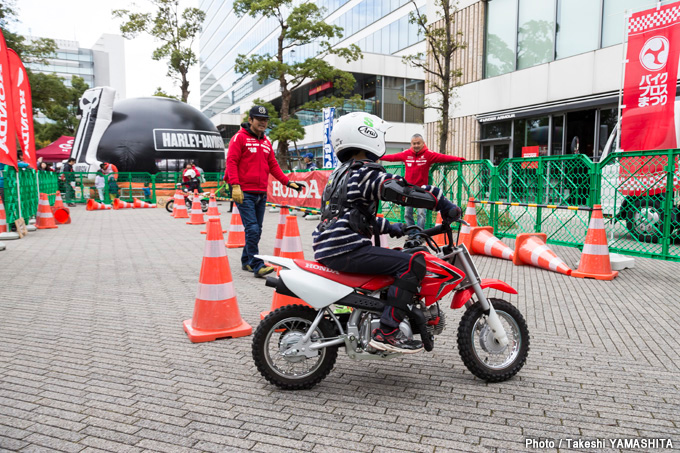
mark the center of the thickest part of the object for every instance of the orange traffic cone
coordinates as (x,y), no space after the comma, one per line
(213,212)
(236,237)
(3,218)
(291,247)
(196,211)
(44,216)
(483,242)
(120,204)
(138,204)
(216,313)
(530,248)
(96,206)
(279,231)
(58,202)
(471,218)
(595,256)
(384,238)
(174,203)
(61,215)
(180,207)
(439,239)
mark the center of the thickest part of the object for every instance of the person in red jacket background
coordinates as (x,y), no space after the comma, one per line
(417,161)
(250,159)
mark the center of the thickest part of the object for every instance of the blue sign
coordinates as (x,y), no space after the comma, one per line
(329,159)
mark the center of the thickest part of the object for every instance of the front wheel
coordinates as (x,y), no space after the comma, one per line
(169,205)
(275,353)
(482,354)
(204,205)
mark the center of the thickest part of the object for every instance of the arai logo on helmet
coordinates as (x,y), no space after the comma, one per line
(368,131)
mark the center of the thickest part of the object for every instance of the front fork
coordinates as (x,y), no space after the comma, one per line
(494,321)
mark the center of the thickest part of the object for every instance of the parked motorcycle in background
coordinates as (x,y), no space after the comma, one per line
(295,346)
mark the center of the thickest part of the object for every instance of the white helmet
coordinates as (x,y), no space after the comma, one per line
(359,130)
(190,173)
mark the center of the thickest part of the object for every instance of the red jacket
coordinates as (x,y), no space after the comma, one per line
(418,165)
(250,160)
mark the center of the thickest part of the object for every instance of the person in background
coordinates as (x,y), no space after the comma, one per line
(68,181)
(307,163)
(250,160)
(147,191)
(113,187)
(108,169)
(417,161)
(100,182)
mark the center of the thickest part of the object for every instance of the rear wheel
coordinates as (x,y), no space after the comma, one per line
(204,205)
(645,220)
(482,354)
(169,205)
(275,353)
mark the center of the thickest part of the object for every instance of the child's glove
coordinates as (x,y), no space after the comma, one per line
(396,230)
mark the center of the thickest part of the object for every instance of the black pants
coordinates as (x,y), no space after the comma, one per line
(378,261)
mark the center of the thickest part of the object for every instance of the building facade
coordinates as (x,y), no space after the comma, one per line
(102,65)
(380,28)
(543,73)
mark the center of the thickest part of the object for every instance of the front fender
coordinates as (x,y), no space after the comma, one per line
(461,297)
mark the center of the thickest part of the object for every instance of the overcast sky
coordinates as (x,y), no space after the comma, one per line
(86,20)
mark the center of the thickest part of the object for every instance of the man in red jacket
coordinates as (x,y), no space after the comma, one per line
(417,161)
(250,159)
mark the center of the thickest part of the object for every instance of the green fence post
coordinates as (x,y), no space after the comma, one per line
(494,195)
(595,184)
(668,204)
(540,177)
(153,189)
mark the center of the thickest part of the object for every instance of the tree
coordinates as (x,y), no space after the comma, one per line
(177,31)
(442,78)
(59,103)
(298,26)
(162,94)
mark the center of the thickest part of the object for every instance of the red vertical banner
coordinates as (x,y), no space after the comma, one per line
(8,145)
(23,109)
(648,119)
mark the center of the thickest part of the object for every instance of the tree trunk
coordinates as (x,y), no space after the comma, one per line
(185,87)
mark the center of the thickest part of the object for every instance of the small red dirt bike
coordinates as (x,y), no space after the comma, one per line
(295,346)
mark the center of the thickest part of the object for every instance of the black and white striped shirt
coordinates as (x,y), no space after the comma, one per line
(363,187)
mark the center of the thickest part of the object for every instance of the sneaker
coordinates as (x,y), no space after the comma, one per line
(264,270)
(247,268)
(394,341)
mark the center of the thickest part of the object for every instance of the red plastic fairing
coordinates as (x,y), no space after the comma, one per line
(461,297)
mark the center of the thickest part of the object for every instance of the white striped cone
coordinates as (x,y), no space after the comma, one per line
(3,218)
(530,248)
(216,312)
(213,212)
(180,208)
(236,237)
(44,217)
(291,245)
(483,242)
(471,218)
(595,261)
(279,231)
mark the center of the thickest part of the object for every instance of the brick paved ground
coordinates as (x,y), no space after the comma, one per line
(93,357)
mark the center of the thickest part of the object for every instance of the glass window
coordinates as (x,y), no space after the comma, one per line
(613,18)
(558,132)
(536,32)
(385,40)
(577,26)
(608,119)
(500,37)
(531,132)
(394,37)
(415,91)
(378,11)
(403,33)
(354,12)
(377,42)
(394,108)
(363,15)
(496,130)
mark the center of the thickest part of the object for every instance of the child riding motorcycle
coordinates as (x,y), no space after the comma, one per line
(342,240)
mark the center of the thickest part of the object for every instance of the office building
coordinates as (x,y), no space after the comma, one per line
(102,65)
(380,28)
(541,73)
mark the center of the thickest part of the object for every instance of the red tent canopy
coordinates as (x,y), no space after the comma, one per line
(56,151)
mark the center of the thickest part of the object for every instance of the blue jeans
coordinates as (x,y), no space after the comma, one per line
(252,215)
(422,216)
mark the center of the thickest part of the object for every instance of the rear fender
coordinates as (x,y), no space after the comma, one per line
(461,297)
